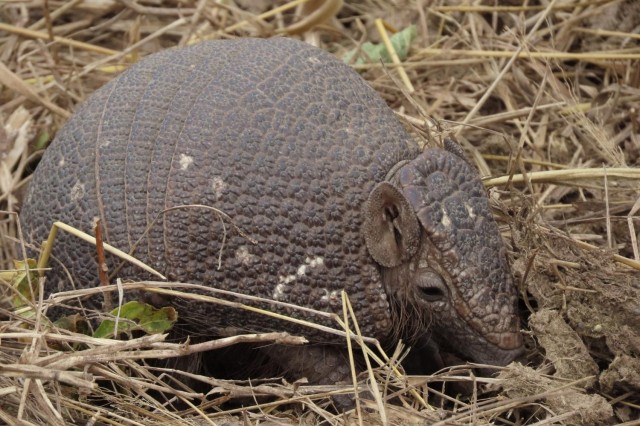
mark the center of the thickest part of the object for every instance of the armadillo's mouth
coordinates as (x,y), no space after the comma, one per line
(499,356)
(505,338)
(511,347)
(482,351)
(489,356)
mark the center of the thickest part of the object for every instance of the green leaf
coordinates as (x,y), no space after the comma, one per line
(20,281)
(42,140)
(138,316)
(374,53)
(75,323)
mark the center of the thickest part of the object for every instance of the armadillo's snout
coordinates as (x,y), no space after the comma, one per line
(510,341)
(510,349)
(497,338)
(504,345)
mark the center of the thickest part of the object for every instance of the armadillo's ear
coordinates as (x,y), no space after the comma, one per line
(391,228)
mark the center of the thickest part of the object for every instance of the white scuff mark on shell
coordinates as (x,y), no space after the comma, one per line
(105,143)
(61,162)
(472,214)
(316,261)
(278,293)
(243,255)
(332,297)
(446,222)
(309,263)
(185,161)
(219,186)
(314,60)
(283,280)
(287,279)
(77,191)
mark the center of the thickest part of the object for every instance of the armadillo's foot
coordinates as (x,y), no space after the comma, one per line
(320,364)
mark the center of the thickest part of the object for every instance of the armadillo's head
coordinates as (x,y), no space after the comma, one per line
(432,231)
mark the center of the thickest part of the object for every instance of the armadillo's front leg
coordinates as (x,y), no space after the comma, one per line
(320,364)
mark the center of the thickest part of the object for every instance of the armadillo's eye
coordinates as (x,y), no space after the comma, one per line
(431,286)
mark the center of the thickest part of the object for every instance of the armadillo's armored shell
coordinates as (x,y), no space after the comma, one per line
(280,136)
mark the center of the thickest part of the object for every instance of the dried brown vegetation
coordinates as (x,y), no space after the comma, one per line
(545,99)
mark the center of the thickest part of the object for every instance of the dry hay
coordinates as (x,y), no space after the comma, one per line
(545,99)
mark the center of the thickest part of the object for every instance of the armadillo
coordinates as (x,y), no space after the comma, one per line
(318,188)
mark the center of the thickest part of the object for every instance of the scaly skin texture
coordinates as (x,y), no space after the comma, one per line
(464,246)
(292,145)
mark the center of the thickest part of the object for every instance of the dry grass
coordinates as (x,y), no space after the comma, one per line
(545,99)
